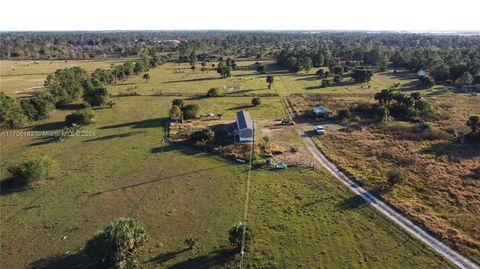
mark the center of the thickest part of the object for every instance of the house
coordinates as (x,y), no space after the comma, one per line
(245,127)
(421,73)
(321,111)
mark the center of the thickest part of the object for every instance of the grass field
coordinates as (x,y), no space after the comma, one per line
(301,218)
(22,77)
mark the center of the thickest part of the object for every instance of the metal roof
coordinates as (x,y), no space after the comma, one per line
(244,120)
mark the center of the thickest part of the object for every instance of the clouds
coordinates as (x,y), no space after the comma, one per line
(242,15)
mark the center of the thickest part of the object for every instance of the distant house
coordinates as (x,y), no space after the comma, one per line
(245,126)
(320,111)
(421,73)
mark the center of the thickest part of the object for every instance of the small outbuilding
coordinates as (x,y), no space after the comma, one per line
(321,111)
(245,127)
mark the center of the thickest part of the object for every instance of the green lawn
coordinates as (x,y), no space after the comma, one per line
(300,217)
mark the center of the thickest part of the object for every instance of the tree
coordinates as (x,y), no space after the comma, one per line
(146,77)
(306,63)
(381,113)
(178,102)
(214,92)
(37,107)
(464,79)
(191,111)
(256,101)
(235,235)
(67,85)
(270,81)
(362,74)
(175,112)
(427,81)
(138,68)
(96,96)
(320,73)
(193,68)
(416,96)
(203,136)
(384,97)
(338,70)
(81,117)
(11,113)
(32,170)
(118,245)
(474,123)
(394,177)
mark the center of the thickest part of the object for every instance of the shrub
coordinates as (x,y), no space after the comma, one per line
(32,170)
(326,83)
(214,92)
(204,136)
(81,117)
(191,111)
(236,232)
(118,245)
(175,112)
(394,177)
(320,73)
(178,102)
(36,108)
(96,96)
(256,101)
(337,78)
(344,114)
(11,113)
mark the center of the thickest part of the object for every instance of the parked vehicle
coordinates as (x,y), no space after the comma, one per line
(287,121)
(319,129)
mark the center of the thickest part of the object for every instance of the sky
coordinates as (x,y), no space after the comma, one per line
(398,15)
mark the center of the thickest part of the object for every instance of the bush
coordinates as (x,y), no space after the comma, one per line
(32,170)
(214,92)
(81,117)
(117,246)
(36,108)
(191,111)
(256,101)
(11,113)
(394,177)
(178,102)
(344,114)
(235,235)
(326,83)
(204,136)
(337,78)
(96,96)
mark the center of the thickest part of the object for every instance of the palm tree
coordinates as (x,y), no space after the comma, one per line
(146,77)
(270,81)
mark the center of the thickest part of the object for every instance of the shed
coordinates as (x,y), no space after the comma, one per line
(245,126)
(321,111)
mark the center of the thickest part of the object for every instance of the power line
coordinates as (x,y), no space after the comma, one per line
(247,197)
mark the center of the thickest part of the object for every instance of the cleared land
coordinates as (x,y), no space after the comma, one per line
(301,218)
